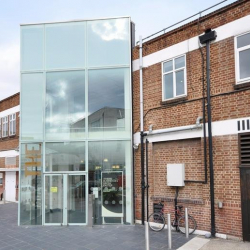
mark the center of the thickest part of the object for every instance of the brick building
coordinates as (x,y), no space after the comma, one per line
(9,141)
(173,98)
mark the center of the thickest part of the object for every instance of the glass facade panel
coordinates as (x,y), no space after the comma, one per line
(65,156)
(108,42)
(32,47)
(65,105)
(31,184)
(32,89)
(74,85)
(65,45)
(110,180)
(53,199)
(109,103)
(76,199)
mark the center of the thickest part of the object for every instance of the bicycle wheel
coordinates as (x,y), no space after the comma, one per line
(191,224)
(156,222)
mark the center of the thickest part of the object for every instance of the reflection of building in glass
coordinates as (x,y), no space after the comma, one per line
(108,119)
(76,109)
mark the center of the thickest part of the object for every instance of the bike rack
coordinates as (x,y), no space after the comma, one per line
(169,232)
(186,223)
(146,236)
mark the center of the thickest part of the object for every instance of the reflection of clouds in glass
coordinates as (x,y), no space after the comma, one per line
(111,30)
(62,88)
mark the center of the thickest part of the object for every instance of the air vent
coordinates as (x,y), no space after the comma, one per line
(243,125)
(245,149)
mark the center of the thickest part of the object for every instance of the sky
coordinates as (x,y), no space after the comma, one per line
(149,17)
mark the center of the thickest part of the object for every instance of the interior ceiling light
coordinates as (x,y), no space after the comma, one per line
(105,160)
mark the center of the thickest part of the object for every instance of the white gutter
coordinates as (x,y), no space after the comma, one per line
(177,129)
(141,84)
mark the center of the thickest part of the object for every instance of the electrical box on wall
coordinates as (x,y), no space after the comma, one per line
(176,175)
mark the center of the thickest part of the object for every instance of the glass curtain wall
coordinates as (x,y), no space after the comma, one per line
(76,122)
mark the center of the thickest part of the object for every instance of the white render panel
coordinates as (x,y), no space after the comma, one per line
(9,153)
(10,111)
(176,175)
(234,28)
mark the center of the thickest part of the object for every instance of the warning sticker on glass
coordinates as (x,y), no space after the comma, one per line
(53,189)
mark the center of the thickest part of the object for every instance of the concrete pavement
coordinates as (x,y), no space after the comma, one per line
(201,243)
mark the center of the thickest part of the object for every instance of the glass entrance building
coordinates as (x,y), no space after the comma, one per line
(75,129)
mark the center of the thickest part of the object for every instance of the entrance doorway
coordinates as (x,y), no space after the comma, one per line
(64,199)
(10,186)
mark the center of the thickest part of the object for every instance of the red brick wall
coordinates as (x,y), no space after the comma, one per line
(227,103)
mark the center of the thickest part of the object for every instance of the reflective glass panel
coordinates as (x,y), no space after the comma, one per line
(32,89)
(76,199)
(243,40)
(32,47)
(180,82)
(169,88)
(65,45)
(65,156)
(180,62)
(53,196)
(110,181)
(109,103)
(168,66)
(108,42)
(65,105)
(244,61)
(31,184)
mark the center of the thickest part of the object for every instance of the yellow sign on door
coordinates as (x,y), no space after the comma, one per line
(53,189)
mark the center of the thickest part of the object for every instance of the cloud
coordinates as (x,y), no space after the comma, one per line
(9,69)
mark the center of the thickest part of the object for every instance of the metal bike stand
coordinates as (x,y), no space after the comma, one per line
(146,236)
(169,232)
(186,223)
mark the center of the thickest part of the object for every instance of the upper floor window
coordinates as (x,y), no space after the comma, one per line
(5,126)
(174,78)
(242,51)
(12,124)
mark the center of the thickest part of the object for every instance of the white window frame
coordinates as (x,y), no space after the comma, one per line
(237,65)
(174,78)
(5,124)
(12,118)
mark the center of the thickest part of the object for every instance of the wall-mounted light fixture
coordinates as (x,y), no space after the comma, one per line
(136,145)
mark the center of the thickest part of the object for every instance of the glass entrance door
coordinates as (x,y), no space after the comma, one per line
(64,199)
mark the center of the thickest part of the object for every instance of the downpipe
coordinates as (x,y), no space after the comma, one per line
(206,39)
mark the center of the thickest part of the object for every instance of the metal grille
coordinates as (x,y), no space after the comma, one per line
(245,149)
(243,125)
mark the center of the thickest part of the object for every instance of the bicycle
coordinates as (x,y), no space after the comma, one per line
(156,221)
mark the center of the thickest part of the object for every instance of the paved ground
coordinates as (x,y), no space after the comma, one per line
(77,237)
(226,245)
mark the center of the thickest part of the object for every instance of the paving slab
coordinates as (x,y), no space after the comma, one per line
(110,237)
(222,244)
